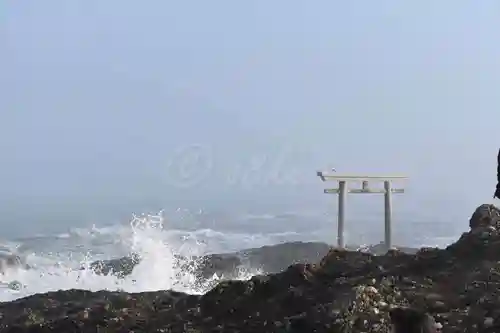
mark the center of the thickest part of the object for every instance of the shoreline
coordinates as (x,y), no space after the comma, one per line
(459,286)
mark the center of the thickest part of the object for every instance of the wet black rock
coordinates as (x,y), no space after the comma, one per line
(485,216)
(457,289)
(408,320)
(267,259)
(120,267)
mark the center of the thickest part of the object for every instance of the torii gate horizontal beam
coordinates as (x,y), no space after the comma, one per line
(360,190)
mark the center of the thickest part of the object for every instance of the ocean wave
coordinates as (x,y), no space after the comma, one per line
(56,261)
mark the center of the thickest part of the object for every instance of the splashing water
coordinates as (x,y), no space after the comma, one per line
(145,236)
(63,261)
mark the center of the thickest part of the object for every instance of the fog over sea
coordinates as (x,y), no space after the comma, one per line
(61,260)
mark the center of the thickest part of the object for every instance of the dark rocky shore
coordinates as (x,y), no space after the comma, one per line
(267,259)
(346,291)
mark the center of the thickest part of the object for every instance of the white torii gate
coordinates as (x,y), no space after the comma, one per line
(342,190)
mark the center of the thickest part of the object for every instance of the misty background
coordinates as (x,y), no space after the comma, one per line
(113,107)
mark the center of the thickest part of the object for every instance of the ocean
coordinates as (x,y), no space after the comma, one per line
(61,261)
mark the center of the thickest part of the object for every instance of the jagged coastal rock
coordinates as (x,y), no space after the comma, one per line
(268,259)
(346,292)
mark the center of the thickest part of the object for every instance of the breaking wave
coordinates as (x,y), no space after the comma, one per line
(63,261)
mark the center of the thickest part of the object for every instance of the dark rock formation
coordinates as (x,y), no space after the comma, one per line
(457,289)
(214,264)
(268,259)
(407,320)
(121,266)
(484,217)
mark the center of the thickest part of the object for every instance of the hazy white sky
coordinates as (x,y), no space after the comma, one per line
(96,96)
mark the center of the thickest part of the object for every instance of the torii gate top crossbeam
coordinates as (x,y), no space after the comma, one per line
(340,177)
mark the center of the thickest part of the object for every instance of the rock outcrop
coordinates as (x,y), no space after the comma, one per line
(346,292)
(268,259)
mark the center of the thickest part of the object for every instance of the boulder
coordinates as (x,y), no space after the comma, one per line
(120,267)
(482,241)
(484,217)
(408,320)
